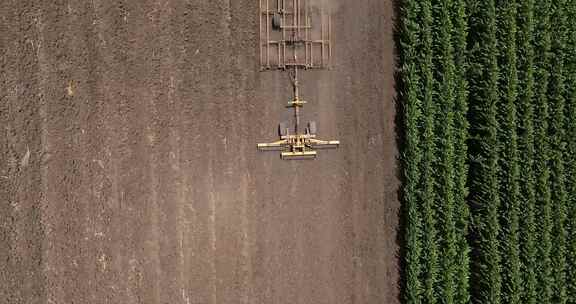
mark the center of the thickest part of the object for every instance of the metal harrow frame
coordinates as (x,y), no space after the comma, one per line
(295,36)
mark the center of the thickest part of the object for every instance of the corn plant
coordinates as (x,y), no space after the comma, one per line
(459,21)
(484,150)
(509,156)
(557,138)
(431,250)
(412,153)
(445,86)
(542,155)
(570,71)
(526,145)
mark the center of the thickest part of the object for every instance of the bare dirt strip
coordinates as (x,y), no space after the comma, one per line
(129,171)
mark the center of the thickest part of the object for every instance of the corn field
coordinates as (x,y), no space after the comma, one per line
(488,92)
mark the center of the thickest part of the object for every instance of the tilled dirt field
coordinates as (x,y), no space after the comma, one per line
(129,171)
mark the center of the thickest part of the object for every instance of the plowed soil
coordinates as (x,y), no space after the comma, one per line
(129,171)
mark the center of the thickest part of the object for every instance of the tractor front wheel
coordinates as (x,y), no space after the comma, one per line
(282,129)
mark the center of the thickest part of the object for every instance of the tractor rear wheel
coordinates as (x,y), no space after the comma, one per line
(312,129)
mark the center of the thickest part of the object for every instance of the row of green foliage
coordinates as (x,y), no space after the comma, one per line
(489,91)
(542,47)
(412,154)
(485,172)
(509,153)
(435,93)
(557,139)
(460,36)
(570,71)
(529,251)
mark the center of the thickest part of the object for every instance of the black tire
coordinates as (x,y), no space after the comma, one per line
(276,22)
(312,128)
(282,129)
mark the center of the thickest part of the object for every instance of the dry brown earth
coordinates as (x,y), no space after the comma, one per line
(129,173)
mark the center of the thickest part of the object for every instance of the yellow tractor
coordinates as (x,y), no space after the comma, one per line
(299,145)
(287,44)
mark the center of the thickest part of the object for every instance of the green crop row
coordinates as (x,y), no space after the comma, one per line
(489,157)
(445,87)
(529,251)
(570,71)
(462,262)
(509,154)
(412,154)
(542,45)
(435,92)
(557,137)
(429,161)
(484,150)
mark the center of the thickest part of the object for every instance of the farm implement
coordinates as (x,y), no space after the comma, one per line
(287,44)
